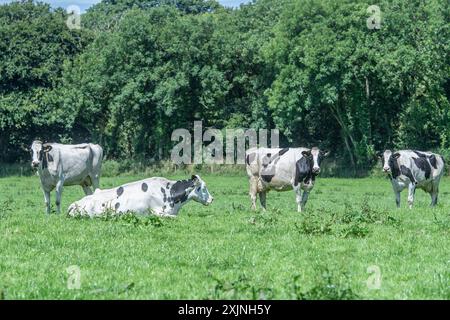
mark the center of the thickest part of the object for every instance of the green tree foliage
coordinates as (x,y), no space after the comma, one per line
(140,68)
(34,43)
(369,87)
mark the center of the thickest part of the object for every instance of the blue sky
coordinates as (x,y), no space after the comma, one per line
(84,4)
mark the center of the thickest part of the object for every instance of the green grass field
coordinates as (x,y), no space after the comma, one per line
(334,250)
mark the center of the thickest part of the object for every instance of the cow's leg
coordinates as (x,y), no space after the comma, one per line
(87,190)
(397,198)
(304,199)
(262,200)
(95,182)
(59,190)
(253,191)
(397,189)
(47,200)
(411,192)
(298,197)
(434,195)
(434,198)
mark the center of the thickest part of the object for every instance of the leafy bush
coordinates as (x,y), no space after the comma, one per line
(110,168)
(316,223)
(241,288)
(5,209)
(351,222)
(328,285)
(264,219)
(367,214)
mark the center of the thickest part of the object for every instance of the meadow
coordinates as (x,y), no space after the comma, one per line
(350,243)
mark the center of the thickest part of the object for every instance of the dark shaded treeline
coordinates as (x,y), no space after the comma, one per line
(139,69)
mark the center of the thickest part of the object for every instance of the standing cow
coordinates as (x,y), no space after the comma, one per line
(413,169)
(61,165)
(281,170)
(154,195)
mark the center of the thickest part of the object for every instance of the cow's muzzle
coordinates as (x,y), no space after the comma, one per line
(210,200)
(316,170)
(35,164)
(387,170)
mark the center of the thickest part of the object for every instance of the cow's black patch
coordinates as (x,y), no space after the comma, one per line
(433,161)
(164,208)
(423,165)
(49,157)
(250,158)
(144,187)
(431,157)
(407,172)
(267,177)
(163,191)
(43,159)
(303,171)
(393,164)
(179,189)
(168,185)
(283,151)
(119,191)
(117,205)
(420,154)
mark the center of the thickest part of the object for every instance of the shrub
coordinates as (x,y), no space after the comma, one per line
(328,285)
(110,168)
(241,288)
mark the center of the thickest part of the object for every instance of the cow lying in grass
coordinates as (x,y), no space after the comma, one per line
(157,196)
(413,169)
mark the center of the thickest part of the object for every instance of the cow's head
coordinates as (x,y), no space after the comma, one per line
(38,150)
(387,159)
(200,193)
(315,156)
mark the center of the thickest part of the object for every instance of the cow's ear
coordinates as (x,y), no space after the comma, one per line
(396,155)
(47,147)
(306,153)
(195,179)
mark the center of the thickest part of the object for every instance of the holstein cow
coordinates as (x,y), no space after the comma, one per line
(157,196)
(61,165)
(413,169)
(281,170)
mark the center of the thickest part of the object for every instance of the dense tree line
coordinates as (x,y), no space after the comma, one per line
(138,69)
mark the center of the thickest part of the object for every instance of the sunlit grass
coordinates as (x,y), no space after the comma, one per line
(228,251)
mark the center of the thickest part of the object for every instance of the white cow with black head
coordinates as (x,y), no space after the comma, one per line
(157,196)
(413,169)
(281,170)
(60,165)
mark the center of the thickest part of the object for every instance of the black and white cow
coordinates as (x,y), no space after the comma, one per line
(61,165)
(157,196)
(281,170)
(413,169)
